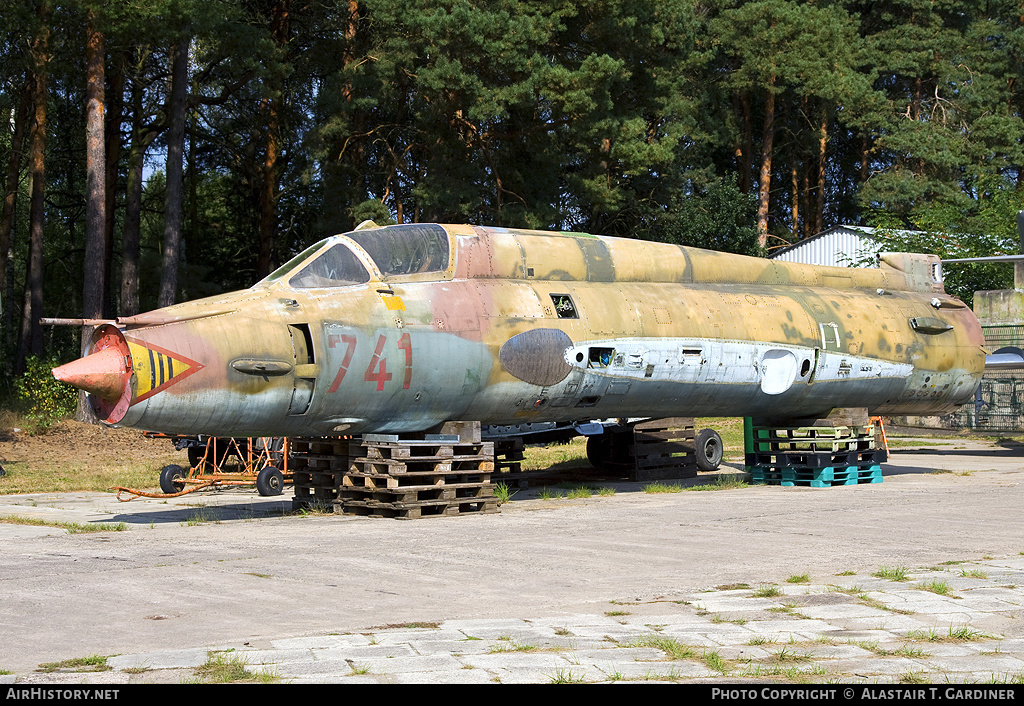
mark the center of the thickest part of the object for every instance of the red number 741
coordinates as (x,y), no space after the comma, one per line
(377,370)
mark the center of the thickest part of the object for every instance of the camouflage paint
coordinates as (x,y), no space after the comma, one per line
(537,326)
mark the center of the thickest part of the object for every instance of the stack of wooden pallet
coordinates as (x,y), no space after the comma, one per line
(318,467)
(409,479)
(818,457)
(663,448)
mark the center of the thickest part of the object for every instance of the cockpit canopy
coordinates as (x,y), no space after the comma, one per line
(412,249)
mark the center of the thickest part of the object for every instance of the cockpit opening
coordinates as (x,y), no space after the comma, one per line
(408,249)
(336,267)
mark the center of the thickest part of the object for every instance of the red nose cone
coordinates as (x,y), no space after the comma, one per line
(105,374)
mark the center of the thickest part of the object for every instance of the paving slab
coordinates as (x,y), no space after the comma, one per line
(542,592)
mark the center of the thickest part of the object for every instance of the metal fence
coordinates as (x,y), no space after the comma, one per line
(998,404)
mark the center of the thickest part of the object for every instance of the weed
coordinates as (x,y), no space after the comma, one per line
(663,488)
(954,634)
(852,590)
(581,491)
(566,676)
(848,572)
(722,482)
(732,587)
(71,527)
(939,587)
(503,492)
(787,655)
(316,508)
(895,573)
(507,644)
(715,662)
(92,663)
(973,574)
(799,578)
(613,613)
(548,494)
(767,591)
(48,399)
(198,517)
(605,491)
(670,646)
(912,678)
(671,675)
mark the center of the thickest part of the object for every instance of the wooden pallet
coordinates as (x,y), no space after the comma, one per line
(419,510)
(415,478)
(318,466)
(508,456)
(663,449)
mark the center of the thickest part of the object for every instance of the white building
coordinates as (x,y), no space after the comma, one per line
(839,246)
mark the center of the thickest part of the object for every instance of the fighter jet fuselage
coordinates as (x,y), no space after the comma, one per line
(402,328)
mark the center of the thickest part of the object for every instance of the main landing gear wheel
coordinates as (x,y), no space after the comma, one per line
(609,452)
(709,450)
(270,481)
(171,478)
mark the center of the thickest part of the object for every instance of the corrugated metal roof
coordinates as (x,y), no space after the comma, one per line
(839,246)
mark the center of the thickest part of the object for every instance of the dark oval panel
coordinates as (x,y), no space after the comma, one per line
(537,356)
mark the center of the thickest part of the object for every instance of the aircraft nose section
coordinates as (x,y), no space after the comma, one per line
(105,374)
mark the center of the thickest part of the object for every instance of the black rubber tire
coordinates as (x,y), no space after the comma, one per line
(597,450)
(170,479)
(709,450)
(610,452)
(270,481)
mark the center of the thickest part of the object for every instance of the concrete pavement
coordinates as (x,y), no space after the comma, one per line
(919,578)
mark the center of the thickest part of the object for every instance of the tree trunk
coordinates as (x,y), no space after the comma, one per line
(280,31)
(175,181)
(95,281)
(31,340)
(819,188)
(765,181)
(11,188)
(142,137)
(112,139)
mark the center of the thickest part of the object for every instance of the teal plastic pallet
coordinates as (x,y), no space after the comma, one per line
(815,477)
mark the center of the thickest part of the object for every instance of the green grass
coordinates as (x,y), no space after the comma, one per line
(556,456)
(715,662)
(799,578)
(722,482)
(892,573)
(767,591)
(71,527)
(973,574)
(580,491)
(964,633)
(659,487)
(939,587)
(503,492)
(221,669)
(92,663)
(507,644)
(670,646)
(566,676)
